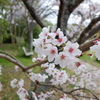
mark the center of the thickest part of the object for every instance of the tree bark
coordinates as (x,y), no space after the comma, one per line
(92,32)
(89,27)
(66,8)
(30,34)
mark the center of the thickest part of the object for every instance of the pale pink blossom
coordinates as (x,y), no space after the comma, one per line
(22,93)
(59,77)
(96,49)
(34,59)
(1,86)
(72,49)
(64,97)
(16,68)
(38,77)
(60,38)
(80,69)
(14,83)
(91,85)
(64,60)
(45,32)
(34,96)
(39,46)
(43,96)
(21,83)
(51,52)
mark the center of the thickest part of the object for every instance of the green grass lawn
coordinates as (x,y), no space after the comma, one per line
(9,73)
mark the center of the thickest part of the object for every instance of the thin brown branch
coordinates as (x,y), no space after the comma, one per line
(4,56)
(9,55)
(88,44)
(89,27)
(86,90)
(37,64)
(33,13)
(92,32)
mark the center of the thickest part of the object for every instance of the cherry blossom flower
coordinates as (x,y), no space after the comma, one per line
(73,79)
(34,59)
(21,83)
(16,68)
(38,77)
(34,96)
(14,83)
(51,51)
(45,32)
(91,85)
(72,49)
(64,97)
(1,86)
(96,49)
(60,38)
(81,69)
(22,93)
(38,43)
(64,60)
(59,77)
(43,96)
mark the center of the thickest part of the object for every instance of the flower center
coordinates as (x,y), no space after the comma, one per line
(52,51)
(71,50)
(45,34)
(60,40)
(62,57)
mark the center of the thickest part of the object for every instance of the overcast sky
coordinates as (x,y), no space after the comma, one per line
(54,19)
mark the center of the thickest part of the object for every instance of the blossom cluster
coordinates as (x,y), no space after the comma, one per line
(56,48)
(22,93)
(62,56)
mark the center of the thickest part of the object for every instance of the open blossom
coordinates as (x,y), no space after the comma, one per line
(64,97)
(88,77)
(45,32)
(13,83)
(43,96)
(16,68)
(51,51)
(96,49)
(91,85)
(22,93)
(21,83)
(59,77)
(60,38)
(39,46)
(38,77)
(64,60)
(81,69)
(0,86)
(72,49)
(34,96)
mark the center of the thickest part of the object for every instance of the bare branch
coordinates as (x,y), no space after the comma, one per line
(92,32)
(92,23)
(88,44)
(33,13)
(37,64)
(4,56)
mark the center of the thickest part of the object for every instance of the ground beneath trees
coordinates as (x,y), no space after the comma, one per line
(93,69)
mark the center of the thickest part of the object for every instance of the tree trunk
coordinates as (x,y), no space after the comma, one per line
(65,9)
(30,34)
